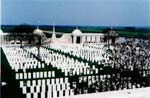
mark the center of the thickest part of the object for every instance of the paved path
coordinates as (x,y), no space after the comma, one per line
(134,93)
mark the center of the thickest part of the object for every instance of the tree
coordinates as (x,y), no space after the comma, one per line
(23,28)
(23,32)
(106,35)
(38,44)
(109,34)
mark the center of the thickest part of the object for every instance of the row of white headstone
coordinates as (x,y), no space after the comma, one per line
(35,75)
(91,53)
(43,78)
(62,62)
(19,59)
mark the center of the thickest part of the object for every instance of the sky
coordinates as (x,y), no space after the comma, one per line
(76,12)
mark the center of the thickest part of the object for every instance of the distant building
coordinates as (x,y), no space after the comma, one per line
(39,36)
(79,37)
(76,37)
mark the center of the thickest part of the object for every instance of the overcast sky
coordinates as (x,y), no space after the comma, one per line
(77,12)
